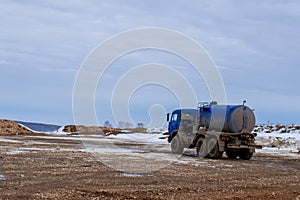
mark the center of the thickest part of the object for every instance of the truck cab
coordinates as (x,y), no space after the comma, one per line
(183,121)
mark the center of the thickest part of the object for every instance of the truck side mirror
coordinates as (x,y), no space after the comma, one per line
(168,117)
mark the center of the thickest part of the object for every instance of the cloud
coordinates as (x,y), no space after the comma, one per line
(254,43)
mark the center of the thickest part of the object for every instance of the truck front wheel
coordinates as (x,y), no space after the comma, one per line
(245,154)
(176,146)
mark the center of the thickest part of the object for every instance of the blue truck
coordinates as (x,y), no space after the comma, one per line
(213,129)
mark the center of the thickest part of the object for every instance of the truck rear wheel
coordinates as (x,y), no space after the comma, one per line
(213,148)
(232,154)
(201,148)
(176,146)
(245,154)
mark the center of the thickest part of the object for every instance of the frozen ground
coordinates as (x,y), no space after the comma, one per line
(279,140)
(118,167)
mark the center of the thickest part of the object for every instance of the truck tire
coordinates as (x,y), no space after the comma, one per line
(245,154)
(176,146)
(232,154)
(201,148)
(213,149)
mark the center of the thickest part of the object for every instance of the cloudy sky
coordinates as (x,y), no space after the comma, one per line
(255,45)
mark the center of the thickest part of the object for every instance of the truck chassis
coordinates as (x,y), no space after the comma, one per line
(212,144)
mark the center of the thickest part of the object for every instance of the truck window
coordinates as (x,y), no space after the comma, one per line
(174,117)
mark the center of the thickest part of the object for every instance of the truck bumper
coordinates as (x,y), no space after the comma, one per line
(243,146)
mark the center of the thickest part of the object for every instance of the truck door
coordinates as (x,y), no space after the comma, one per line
(174,122)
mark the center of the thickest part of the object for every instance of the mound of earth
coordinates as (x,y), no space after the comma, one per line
(136,130)
(8,127)
(91,130)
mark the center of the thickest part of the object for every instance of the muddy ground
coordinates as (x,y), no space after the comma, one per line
(59,168)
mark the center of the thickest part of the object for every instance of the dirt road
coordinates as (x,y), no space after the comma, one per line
(59,168)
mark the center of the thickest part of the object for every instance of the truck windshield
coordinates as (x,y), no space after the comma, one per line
(188,120)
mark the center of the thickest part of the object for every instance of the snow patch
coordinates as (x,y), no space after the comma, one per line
(59,131)
(14,152)
(140,138)
(157,130)
(279,151)
(9,140)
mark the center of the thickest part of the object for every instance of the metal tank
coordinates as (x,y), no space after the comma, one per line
(227,118)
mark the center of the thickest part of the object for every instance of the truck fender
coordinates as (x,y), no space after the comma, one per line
(174,133)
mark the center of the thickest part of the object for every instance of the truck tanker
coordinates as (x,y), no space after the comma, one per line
(213,129)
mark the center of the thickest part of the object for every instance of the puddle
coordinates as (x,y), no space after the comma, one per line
(134,175)
(2,177)
(20,175)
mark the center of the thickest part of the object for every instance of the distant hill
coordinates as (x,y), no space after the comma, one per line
(39,127)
